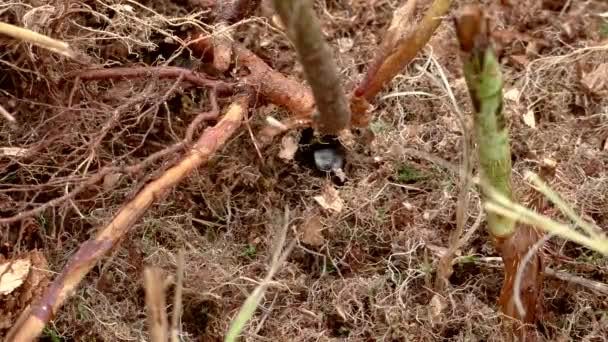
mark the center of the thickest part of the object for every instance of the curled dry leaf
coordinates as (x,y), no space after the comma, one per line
(13,274)
(311,231)
(330,199)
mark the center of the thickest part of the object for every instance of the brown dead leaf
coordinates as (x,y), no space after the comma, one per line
(311,231)
(13,274)
(110,180)
(596,80)
(288,148)
(519,60)
(330,199)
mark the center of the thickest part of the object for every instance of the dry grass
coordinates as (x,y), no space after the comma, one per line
(373,276)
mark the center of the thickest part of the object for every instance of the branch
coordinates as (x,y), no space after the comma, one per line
(32,322)
(403,40)
(319,66)
(147,72)
(276,87)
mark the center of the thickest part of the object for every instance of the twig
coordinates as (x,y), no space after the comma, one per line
(149,72)
(588,283)
(10,118)
(542,187)
(177,299)
(561,275)
(90,252)
(37,39)
(316,58)
(70,195)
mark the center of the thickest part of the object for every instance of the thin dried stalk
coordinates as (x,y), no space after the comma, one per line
(8,116)
(37,39)
(251,303)
(155,303)
(319,66)
(177,300)
(32,322)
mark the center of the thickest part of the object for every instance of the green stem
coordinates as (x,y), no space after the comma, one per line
(484,80)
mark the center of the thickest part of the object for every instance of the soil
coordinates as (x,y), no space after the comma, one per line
(361,272)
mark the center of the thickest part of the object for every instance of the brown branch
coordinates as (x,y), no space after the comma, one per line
(32,322)
(230,11)
(402,42)
(150,72)
(273,85)
(318,63)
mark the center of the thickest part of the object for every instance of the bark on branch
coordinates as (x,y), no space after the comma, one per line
(319,66)
(404,38)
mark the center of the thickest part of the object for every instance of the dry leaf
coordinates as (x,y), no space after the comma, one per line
(330,199)
(529,119)
(520,60)
(288,148)
(311,231)
(345,44)
(110,180)
(512,95)
(347,138)
(13,274)
(596,80)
